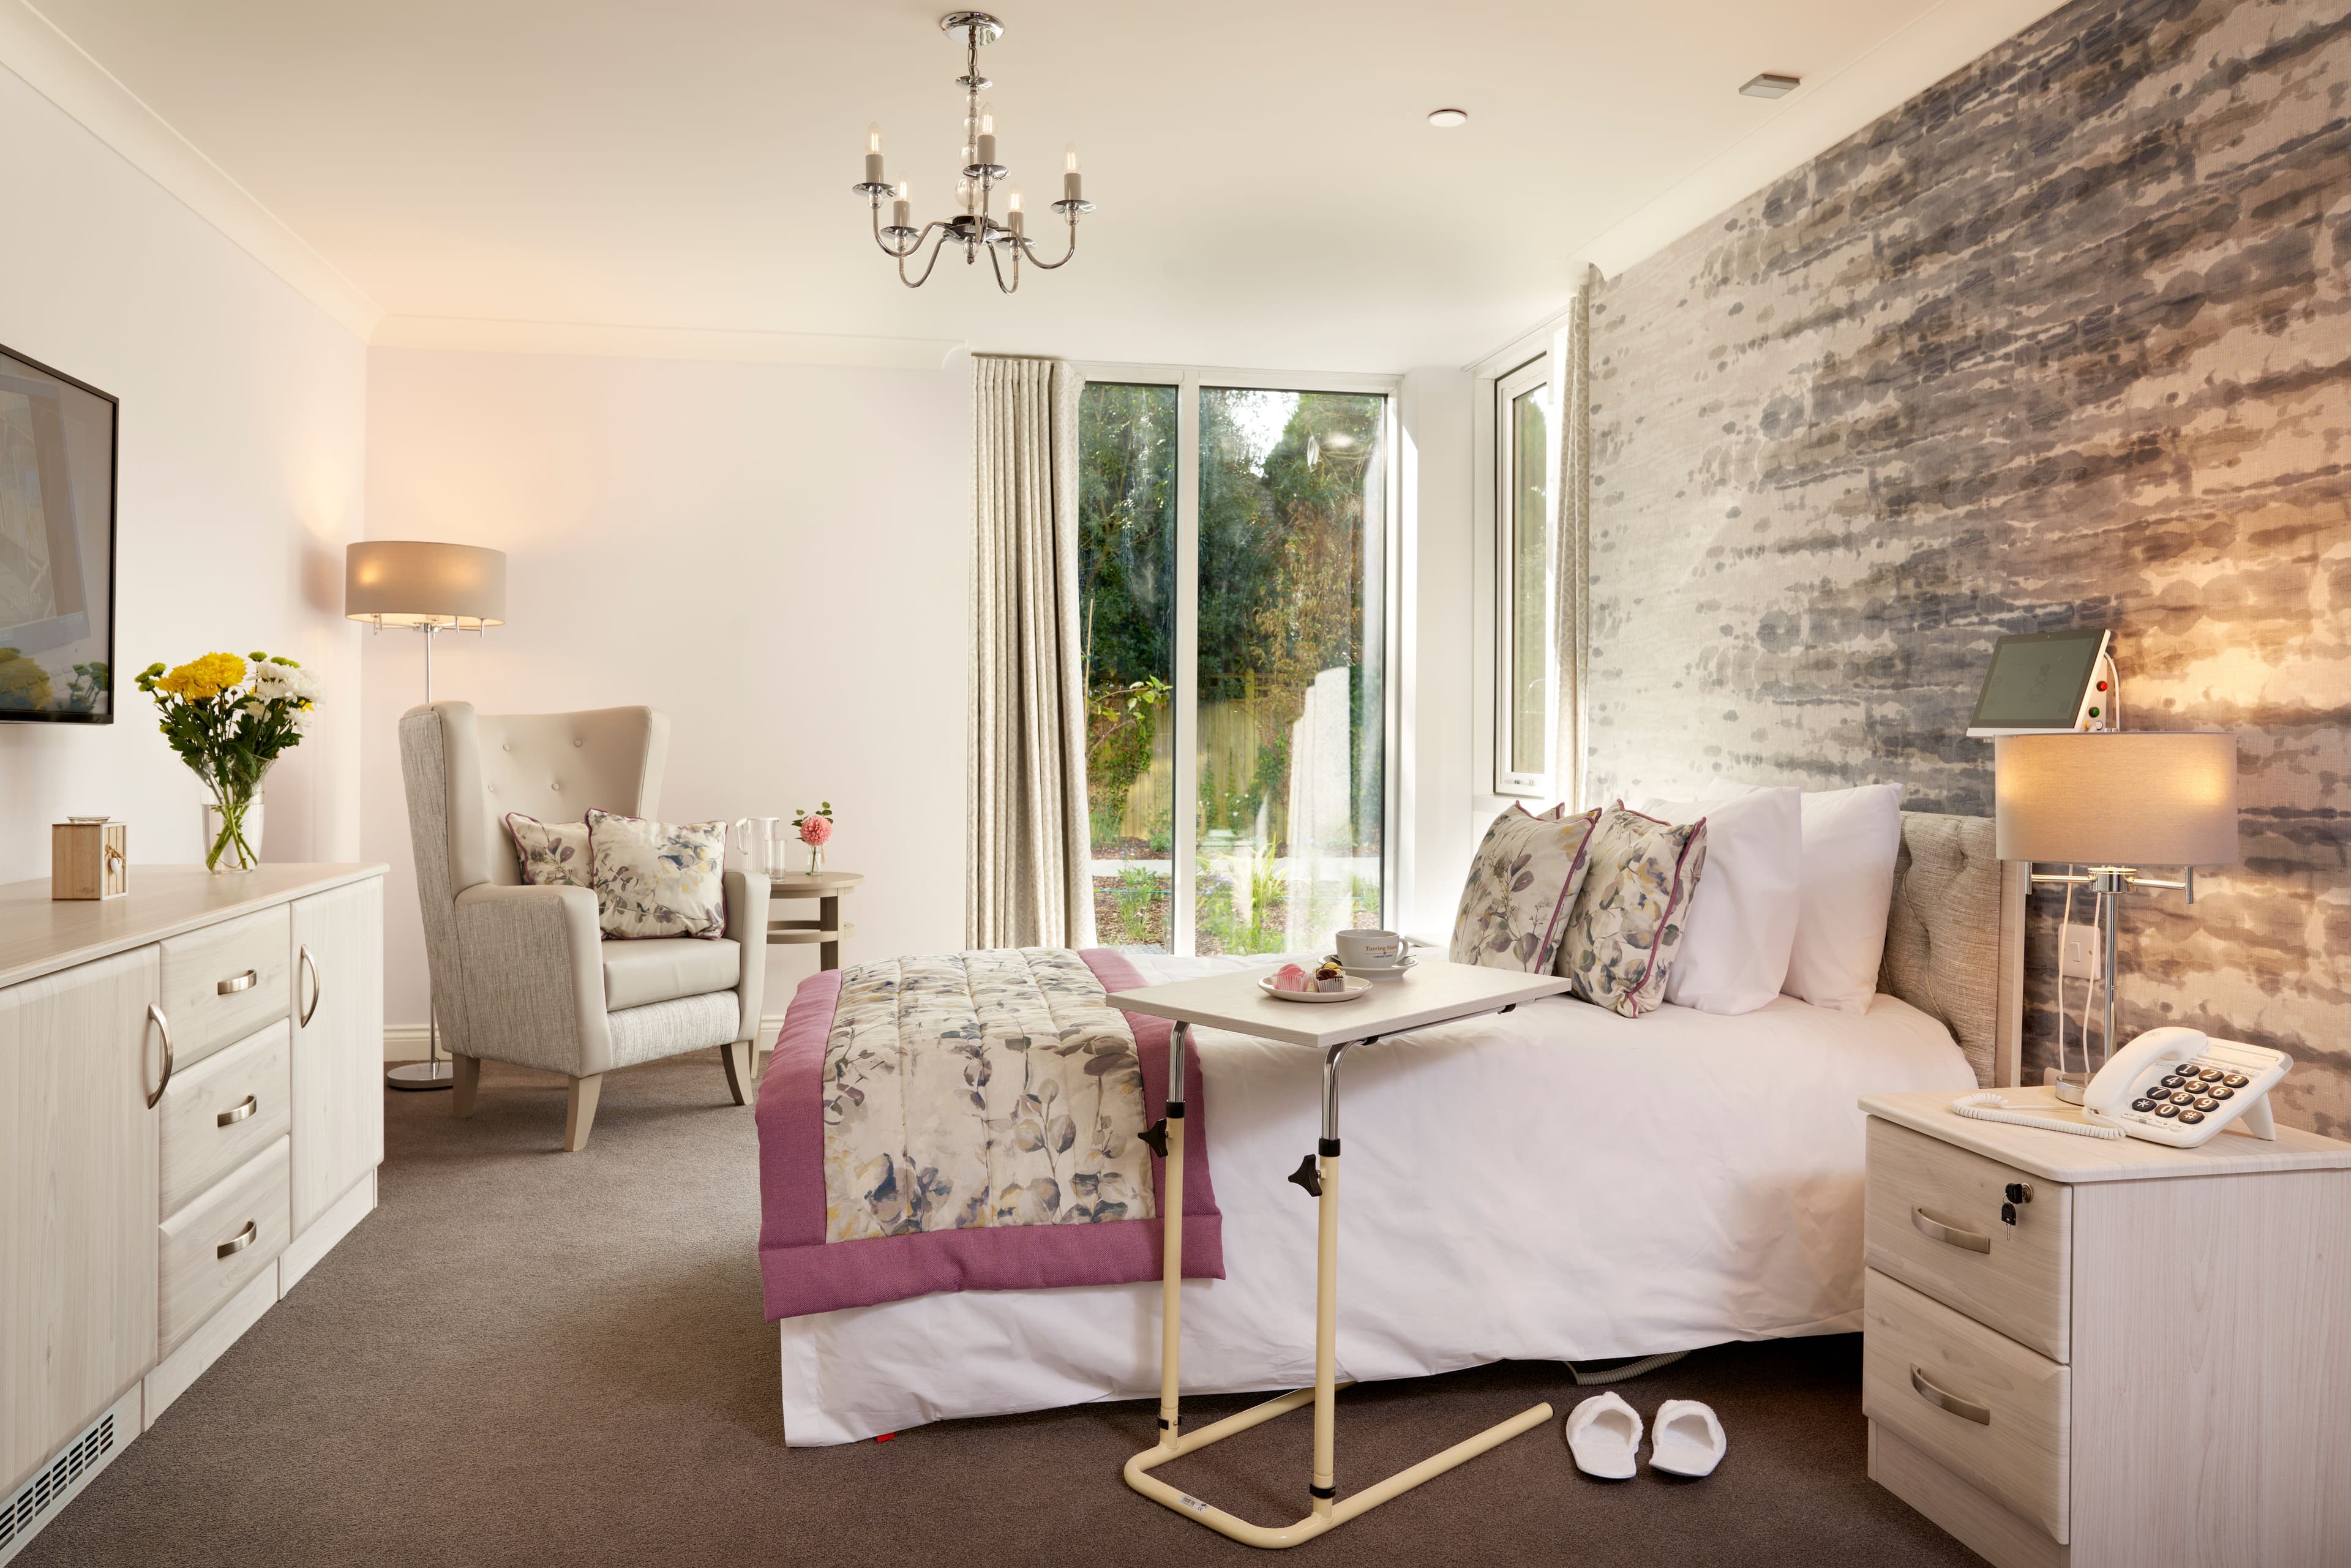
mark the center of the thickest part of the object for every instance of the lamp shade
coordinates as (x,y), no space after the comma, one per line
(417,582)
(2133,798)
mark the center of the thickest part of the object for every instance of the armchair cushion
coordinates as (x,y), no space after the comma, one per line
(656,878)
(665,968)
(553,855)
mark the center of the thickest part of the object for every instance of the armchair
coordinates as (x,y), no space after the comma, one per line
(522,974)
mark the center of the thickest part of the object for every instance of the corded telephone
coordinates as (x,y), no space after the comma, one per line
(2170,1085)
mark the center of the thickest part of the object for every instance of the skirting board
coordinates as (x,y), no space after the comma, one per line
(179,1371)
(410,1042)
(342,1218)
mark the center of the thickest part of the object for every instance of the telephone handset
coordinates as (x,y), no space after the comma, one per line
(2175,1086)
(2170,1085)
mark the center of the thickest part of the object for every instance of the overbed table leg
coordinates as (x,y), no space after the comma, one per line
(1328,1512)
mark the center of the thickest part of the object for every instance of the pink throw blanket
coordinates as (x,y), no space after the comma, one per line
(993,1246)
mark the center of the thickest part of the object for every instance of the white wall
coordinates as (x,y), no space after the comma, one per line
(774,555)
(241,478)
(1441,767)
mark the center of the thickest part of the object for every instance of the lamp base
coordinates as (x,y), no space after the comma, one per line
(2072,1086)
(420,1075)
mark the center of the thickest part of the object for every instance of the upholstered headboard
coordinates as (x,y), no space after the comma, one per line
(1955,938)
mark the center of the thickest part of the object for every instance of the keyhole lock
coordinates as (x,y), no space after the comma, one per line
(2017,1192)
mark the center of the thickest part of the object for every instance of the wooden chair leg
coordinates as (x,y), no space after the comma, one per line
(737,1060)
(580,1111)
(465,1078)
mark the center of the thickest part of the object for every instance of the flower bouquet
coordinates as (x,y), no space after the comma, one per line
(816,830)
(229,723)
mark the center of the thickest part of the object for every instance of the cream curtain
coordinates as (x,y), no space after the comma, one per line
(1029,881)
(1571,489)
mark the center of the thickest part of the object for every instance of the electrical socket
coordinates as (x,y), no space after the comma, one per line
(2084,951)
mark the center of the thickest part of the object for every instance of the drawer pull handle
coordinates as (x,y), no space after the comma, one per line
(1967,1409)
(243,1239)
(230,1118)
(156,1016)
(316,991)
(244,982)
(1949,1234)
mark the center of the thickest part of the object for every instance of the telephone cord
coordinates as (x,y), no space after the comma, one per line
(1990,1107)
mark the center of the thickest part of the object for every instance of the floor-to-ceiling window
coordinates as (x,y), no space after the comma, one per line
(1524,663)
(1235,536)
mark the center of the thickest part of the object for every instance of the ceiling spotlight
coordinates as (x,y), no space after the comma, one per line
(1769,85)
(1446,119)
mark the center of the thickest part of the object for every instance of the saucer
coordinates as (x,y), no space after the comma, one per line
(1387,973)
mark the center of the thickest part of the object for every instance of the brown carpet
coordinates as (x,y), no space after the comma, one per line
(528,1357)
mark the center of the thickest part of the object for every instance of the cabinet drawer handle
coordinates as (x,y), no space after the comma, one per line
(156,1016)
(1967,1409)
(316,991)
(229,1118)
(1949,1234)
(244,982)
(243,1239)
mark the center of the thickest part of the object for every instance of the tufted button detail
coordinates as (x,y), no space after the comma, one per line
(507,746)
(491,787)
(576,741)
(557,784)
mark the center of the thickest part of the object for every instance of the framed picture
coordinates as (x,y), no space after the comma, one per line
(57,546)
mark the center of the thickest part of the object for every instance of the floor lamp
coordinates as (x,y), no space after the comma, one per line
(431,588)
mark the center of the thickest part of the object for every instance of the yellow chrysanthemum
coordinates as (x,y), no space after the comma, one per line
(204,677)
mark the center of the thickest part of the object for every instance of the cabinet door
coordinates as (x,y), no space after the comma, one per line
(338,1044)
(78,1199)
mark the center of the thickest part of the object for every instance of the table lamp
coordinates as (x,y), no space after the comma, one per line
(431,588)
(2115,803)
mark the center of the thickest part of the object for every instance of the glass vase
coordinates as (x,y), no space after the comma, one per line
(816,860)
(233,816)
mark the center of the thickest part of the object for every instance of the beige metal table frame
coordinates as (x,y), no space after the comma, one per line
(1319,1175)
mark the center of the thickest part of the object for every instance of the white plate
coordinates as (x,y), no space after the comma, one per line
(1355,987)
(1392,972)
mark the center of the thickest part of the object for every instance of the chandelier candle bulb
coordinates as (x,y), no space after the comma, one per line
(874,155)
(1072,182)
(987,135)
(1012,210)
(901,207)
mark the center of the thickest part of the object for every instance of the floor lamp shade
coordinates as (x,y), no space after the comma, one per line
(416,582)
(2135,798)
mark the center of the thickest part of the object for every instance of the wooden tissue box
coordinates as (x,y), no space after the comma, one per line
(90,860)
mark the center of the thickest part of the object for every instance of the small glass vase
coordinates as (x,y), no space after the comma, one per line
(233,818)
(816,860)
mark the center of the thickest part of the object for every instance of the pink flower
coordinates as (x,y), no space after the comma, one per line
(815,830)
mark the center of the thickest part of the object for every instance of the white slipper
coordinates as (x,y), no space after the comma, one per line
(1689,1440)
(1602,1433)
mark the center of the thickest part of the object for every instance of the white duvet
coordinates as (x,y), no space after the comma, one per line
(1557,1183)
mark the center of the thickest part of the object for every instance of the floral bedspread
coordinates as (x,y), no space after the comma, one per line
(971,1089)
(969,1121)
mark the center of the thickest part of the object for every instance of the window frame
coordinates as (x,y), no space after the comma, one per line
(1508,782)
(1184,759)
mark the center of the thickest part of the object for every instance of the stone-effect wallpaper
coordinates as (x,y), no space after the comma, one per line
(2065,340)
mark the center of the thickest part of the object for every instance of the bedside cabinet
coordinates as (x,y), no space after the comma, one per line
(2109,1354)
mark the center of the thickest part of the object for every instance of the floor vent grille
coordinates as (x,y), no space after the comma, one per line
(56,1480)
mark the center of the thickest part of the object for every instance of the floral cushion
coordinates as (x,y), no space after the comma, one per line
(553,855)
(1522,888)
(1627,923)
(657,879)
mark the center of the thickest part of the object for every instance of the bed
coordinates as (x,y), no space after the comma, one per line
(1582,1186)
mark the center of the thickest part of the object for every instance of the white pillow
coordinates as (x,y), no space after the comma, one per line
(1743,919)
(1852,838)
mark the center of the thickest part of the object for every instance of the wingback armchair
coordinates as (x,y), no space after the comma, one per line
(522,974)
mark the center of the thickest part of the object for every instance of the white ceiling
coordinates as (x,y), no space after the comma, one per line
(1269,193)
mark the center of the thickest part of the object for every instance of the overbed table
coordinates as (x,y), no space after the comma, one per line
(1433,993)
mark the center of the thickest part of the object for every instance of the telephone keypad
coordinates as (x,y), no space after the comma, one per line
(2192,1117)
(2142,1105)
(2223,1091)
(2172,1081)
(2166,1109)
(2205,1103)
(2235,1080)
(2210,1075)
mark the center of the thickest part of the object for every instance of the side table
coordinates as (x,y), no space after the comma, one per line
(828,888)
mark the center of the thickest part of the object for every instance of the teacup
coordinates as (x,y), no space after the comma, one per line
(1369,949)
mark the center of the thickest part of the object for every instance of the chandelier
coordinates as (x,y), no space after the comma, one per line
(975,228)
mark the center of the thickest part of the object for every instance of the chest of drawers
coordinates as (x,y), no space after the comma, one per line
(190,1118)
(2081,1354)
